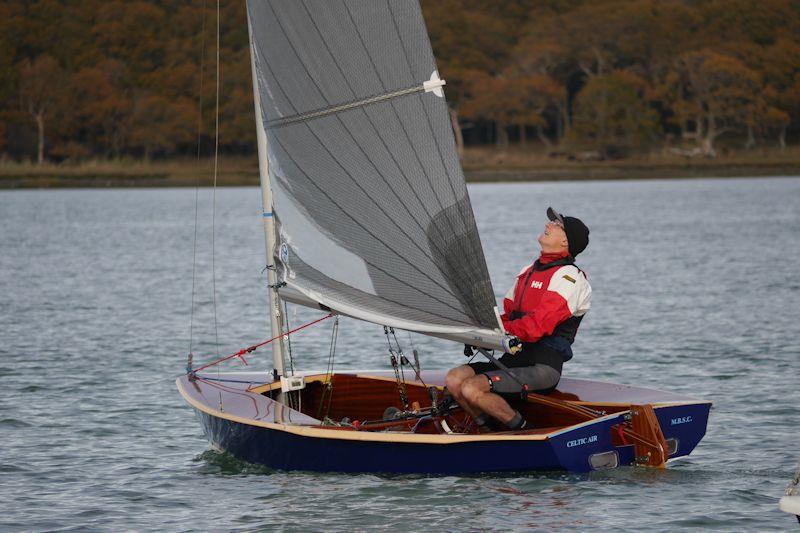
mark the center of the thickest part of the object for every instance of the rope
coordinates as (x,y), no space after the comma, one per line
(328,390)
(401,382)
(197,179)
(288,337)
(291,396)
(241,353)
(404,360)
(224,380)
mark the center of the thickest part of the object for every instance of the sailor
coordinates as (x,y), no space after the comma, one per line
(542,313)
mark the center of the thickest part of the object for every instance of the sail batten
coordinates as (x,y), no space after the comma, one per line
(370,201)
(330,110)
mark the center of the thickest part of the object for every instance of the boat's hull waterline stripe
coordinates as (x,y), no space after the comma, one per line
(292,119)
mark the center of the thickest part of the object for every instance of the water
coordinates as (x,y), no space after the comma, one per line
(695,290)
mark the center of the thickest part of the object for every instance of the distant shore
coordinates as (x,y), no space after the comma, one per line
(480,165)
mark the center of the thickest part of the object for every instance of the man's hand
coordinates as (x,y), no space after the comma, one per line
(511,344)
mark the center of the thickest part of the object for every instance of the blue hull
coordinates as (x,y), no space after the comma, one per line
(285,451)
(570,450)
(284,448)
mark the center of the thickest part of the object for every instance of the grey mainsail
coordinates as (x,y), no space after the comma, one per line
(373,216)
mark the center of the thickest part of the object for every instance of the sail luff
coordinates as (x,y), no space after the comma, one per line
(275,313)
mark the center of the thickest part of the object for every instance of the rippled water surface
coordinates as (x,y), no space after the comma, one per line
(696,290)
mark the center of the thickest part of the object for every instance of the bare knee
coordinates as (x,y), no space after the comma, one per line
(473,388)
(453,383)
(455,379)
(452,380)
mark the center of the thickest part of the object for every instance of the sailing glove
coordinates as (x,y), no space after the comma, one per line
(511,344)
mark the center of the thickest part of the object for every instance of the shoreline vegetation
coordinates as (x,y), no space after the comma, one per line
(536,89)
(480,165)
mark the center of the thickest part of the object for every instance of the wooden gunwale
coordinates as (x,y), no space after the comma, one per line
(326,432)
(394,437)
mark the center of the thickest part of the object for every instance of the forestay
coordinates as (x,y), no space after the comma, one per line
(373,215)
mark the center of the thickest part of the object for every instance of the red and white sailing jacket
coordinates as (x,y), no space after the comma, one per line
(549,298)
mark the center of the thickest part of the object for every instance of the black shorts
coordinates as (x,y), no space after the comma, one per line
(538,366)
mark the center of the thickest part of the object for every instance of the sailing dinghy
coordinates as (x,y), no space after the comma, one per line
(790,502)
(367,215)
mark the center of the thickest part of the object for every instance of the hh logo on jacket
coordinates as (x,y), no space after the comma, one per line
(536,284)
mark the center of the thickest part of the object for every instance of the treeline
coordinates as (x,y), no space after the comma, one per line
(104,79)
(107,79)
(623,75)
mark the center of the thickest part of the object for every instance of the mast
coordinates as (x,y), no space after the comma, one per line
(275,315)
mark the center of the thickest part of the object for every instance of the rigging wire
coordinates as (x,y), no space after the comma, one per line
(214,197)
(327,391)
(241,353)
(288,337)
(197,176)
(393,359)
(415,366)
(290,397)
(404,360)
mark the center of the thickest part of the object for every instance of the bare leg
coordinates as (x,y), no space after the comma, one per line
(454,381)
(475,391)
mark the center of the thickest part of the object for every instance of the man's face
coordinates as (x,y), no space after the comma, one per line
(553,237)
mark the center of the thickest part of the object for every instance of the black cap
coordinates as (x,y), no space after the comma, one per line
(576,230)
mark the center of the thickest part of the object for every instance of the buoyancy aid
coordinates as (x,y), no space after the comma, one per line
(547,303)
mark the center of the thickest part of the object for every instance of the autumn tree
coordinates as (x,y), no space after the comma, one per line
(8,75)
(132,32)
(779,65)
(536,62)
(103,106)
(473,41)
(128,73)
(40,88)
(540,94)
(787,107)
(492,97)
(160,126)
(723,93)
(611,114)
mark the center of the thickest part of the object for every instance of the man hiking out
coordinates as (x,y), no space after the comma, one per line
(542,313)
